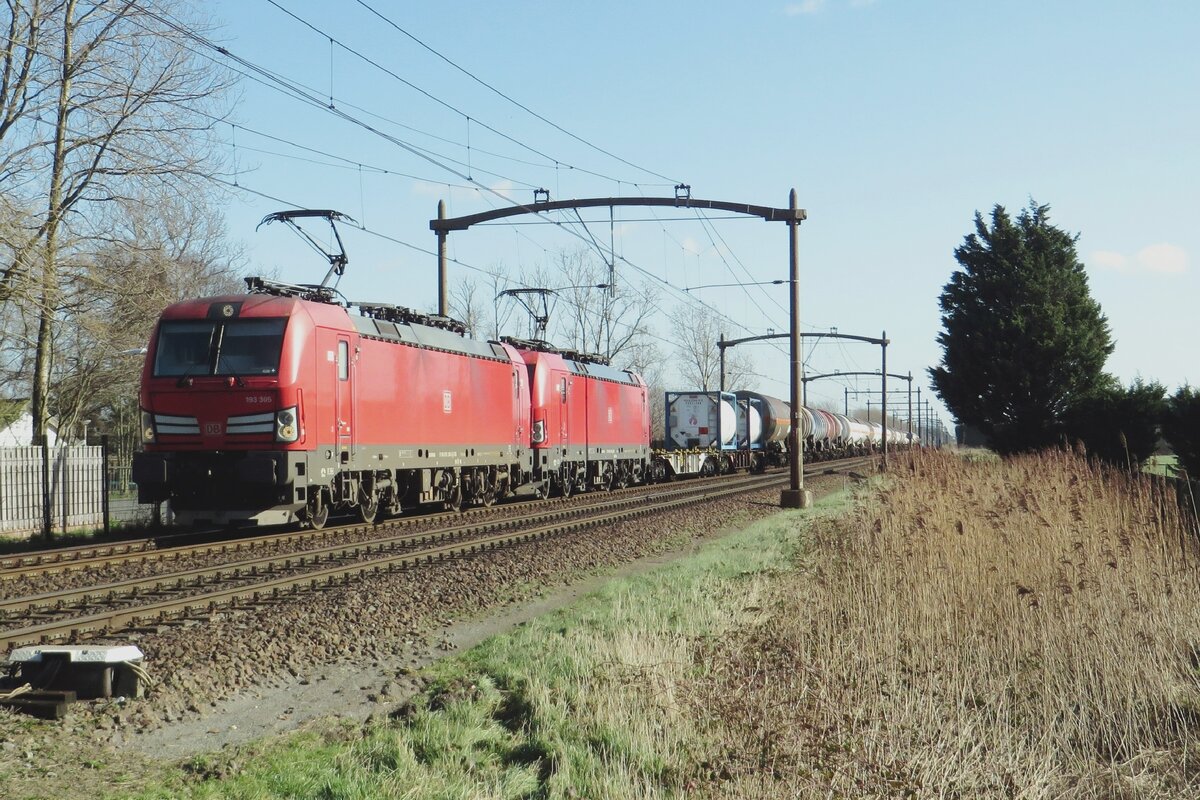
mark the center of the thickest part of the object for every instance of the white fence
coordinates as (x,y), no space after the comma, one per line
(72,481)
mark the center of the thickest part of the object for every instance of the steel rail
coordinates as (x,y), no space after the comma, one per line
(108,622)
(132,590)
(83,557)
(162,549)
(15,562)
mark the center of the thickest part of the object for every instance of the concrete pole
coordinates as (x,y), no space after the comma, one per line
(920,420)
(795,496)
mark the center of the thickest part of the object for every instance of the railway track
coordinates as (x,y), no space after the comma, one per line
(176,547)
(182,546)
(194,595)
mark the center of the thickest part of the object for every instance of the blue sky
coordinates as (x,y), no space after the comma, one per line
(894,121)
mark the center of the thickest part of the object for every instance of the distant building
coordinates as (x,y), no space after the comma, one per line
(16,424)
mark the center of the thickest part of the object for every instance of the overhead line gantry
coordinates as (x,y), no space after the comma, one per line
(793,497)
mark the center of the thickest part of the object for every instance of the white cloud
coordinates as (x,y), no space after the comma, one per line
(1163,258)
(803,7)
(1109,260)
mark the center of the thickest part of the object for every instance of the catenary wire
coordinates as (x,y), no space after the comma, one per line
(293,90)
(555,162)
(517,103)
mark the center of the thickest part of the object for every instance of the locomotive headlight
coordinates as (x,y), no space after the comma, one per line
(539,431)
(286,429)
(147,427)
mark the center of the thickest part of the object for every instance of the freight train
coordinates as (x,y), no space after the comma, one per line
(281,406)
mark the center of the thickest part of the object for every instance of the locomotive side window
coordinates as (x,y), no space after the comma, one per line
(343,360)
(203,347)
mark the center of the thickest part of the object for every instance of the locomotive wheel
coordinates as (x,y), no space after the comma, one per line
(568,483)
(456,502)
(485,492)
(368,511)
(542,489)
(490,488)
(318,517)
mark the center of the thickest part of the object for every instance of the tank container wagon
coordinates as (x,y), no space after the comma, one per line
(776,425)
(709,433)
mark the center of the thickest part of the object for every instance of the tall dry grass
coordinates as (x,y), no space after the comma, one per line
(1025,628)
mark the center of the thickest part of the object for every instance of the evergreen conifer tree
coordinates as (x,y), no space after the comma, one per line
(1022,337)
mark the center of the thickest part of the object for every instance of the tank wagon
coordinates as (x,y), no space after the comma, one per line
(711,432)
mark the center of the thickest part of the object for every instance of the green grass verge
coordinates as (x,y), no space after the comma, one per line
(583,702)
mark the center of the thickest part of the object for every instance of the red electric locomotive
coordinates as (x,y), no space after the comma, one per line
(591,422)
(276,406)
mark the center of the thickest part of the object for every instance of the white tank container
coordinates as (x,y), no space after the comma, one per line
(700,420)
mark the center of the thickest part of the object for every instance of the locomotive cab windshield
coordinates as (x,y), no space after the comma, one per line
(237,348)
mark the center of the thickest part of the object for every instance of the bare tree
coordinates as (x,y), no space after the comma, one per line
(467,307)
(825,405)
(696,333)
(599,320)
(25,81)
(109,99)
(172,249)
(481,306)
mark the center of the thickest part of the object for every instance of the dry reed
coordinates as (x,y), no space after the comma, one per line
(1018,628)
